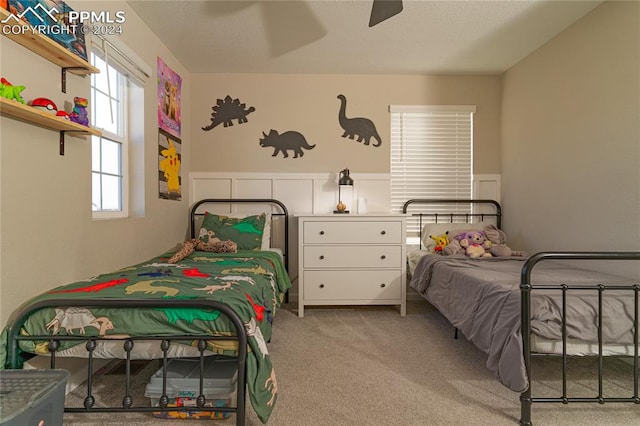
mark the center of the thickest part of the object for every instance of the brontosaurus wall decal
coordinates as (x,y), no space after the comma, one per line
(357,126)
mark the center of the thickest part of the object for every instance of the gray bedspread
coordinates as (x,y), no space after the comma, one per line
(481,297)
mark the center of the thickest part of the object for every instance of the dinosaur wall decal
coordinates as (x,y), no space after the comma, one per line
(226,110)
(361,127)
(290,140)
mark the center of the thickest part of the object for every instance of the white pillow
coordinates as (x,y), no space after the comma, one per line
(454,229)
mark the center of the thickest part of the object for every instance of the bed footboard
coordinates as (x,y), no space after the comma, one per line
(526,288)
(14,358)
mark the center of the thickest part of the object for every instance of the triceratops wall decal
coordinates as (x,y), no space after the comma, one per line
(357,126)
(226,110)
(290,140)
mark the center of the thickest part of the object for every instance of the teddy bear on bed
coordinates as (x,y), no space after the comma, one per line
(499,247)
(472,243)
(475,244)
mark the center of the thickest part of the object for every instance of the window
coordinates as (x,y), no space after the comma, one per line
(117,188)
(431,155)
(110,151)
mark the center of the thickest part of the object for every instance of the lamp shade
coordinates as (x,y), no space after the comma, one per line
(345,179)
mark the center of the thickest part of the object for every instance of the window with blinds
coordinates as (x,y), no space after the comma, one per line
(117,94)
(431,156)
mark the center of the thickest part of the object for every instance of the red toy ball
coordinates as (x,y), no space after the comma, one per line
(45,104)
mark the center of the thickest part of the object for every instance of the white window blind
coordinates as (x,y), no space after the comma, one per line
(431,154)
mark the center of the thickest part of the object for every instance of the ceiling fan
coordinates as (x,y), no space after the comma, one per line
(383,10)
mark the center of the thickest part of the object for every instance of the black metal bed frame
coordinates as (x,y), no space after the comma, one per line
(452,216)
(284,213)
(15,360)
(526,287)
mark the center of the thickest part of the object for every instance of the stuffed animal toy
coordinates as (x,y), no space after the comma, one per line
(79,114)
(454,246)
(441,242)
(11,92)
(499,247)
(475,244)
(216,246)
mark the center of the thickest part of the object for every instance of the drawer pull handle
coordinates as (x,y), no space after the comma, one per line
(321,232)
(321,286)
(321,257)
(383,257)
(383,232)
(383,285)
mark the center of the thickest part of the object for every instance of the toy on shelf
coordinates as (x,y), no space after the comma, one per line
(11,92)
(47,105)
(79,114)
(44,104)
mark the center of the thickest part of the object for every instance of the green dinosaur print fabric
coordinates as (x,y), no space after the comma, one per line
(252,283)
(246,232)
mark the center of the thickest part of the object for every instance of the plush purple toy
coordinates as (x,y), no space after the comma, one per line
(79,114)
(475,244)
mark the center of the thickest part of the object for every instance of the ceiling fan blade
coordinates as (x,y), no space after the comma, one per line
(290,25)
(383,10)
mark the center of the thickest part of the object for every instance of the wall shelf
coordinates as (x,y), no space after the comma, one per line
(22,112)
(48,49)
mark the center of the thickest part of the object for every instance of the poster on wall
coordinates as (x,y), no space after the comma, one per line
(169,161)
(51,18)
(169,96)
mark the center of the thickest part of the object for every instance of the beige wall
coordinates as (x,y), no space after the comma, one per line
(571,137)
(308,104)
(48,236)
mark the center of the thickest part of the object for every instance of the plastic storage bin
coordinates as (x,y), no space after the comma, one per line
(32,397)
(183,386)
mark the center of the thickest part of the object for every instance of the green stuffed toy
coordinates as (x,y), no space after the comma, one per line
(11,92)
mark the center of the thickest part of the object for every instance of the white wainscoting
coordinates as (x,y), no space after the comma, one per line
(300,192)
(314,193)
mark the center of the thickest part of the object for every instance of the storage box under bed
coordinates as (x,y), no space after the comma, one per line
(183,386)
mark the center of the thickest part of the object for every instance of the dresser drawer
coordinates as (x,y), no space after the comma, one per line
(352,285)
(354,232)
(352,256)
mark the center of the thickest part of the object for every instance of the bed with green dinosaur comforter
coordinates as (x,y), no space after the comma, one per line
(251,283)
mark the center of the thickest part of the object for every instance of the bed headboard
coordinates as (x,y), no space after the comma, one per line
(277,208)
(434,210)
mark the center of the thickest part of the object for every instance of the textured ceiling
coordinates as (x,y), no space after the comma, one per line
(323,36)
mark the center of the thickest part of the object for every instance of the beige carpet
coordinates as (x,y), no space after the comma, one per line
(369,366)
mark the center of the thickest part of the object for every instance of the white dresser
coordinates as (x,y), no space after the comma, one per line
(350,259)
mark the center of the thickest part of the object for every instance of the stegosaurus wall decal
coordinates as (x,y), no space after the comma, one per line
(226,110)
